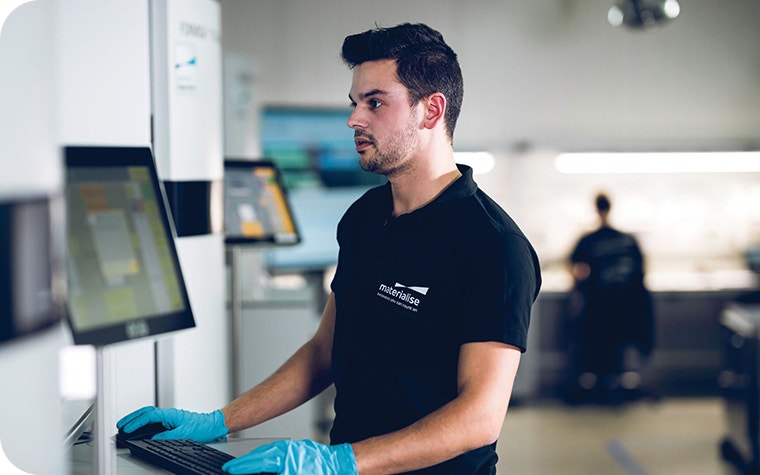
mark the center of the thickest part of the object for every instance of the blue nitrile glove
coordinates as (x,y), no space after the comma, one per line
(296,457)
(180,424)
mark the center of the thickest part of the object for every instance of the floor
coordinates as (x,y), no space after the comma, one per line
(672,436)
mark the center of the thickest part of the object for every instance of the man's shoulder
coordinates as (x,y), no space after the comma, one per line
(490,217)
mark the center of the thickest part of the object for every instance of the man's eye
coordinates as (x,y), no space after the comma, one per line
(374,103)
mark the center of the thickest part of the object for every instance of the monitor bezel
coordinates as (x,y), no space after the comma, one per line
(109,157)
(272,239)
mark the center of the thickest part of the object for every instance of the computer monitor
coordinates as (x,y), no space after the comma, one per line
(256,205)
(29,297)
(124,276)
(314,147)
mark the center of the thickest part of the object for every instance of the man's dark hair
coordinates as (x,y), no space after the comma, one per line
(424,62)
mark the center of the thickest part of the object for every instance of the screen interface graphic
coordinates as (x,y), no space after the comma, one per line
(121,266)
(256,206)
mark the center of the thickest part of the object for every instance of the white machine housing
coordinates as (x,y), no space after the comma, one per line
(186,85)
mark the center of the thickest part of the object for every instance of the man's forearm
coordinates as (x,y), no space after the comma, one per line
(451,431)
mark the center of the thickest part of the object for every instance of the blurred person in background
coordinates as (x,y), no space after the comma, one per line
(611,318)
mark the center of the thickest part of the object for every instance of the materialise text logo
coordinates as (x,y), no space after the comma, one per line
(408,297)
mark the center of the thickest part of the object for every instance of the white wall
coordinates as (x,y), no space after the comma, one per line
(27,48)
(30,414)
(31,428)
(552,73)
(241,117)
(693,228)
(104,82)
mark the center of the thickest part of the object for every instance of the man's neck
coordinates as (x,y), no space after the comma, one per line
(421,185)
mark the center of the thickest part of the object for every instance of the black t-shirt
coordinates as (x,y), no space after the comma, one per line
(409,292)
(616,305)
(614,258)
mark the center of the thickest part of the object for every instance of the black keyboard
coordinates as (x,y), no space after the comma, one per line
(183,457)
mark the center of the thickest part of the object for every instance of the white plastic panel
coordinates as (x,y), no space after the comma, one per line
(103,70)
(187,89)
(29,162)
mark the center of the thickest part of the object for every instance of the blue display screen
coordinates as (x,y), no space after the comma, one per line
(313,147)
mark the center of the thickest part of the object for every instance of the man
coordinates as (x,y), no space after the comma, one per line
(429,310)
(613,310)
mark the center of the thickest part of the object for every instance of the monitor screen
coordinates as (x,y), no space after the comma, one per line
(256,205)
(124,276)
(314,147)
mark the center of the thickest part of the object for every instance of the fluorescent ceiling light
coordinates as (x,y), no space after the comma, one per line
(659,162)
(481,162)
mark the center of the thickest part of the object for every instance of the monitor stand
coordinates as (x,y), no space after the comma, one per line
(104,461)
(257,272)
(236,315)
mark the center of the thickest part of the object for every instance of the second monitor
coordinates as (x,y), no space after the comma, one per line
(256,207)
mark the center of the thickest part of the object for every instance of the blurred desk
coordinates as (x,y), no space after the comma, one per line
(687,358)
(81,457)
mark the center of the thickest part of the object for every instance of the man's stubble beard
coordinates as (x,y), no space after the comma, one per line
(394,157)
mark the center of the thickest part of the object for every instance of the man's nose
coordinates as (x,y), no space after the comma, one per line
(356,120)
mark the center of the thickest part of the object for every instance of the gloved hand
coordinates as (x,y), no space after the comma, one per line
(302,457)
(181,424)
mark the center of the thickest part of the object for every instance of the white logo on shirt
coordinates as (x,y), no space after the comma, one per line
(422,290)
(403,298)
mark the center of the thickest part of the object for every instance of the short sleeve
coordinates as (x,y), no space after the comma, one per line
(500,284)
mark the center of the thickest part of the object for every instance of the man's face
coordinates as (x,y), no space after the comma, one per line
(385,126)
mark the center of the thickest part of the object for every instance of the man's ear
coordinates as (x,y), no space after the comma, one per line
(435,107)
